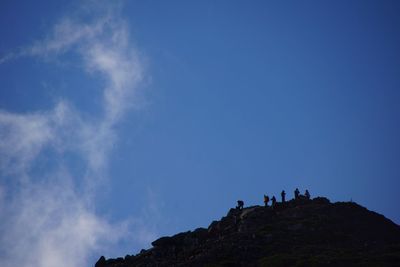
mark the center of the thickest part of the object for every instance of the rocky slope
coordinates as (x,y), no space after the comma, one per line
(296,233)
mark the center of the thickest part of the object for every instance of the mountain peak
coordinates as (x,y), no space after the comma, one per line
(301,232)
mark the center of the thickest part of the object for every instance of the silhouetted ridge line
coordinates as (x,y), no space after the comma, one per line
(300,232)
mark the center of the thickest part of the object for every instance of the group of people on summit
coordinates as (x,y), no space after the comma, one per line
(297,196)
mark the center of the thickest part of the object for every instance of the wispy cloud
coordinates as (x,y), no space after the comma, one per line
(105,49)
(48,222)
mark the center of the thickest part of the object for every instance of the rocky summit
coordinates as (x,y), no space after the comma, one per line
(296,233)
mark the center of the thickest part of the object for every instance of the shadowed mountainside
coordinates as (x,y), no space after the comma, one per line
(296,233)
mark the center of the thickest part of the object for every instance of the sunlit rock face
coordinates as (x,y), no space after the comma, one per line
(296,233)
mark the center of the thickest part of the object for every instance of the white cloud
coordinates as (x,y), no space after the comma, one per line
(24,136)
(49,225)
(48,222)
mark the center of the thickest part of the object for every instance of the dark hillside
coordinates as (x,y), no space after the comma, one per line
(296,233)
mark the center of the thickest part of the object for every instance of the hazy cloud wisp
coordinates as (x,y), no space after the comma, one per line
(46,221)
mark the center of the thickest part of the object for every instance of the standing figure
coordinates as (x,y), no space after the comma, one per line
(273,201)
(296,193)
(266,200)
(283,194)
(307,194)
(240,204)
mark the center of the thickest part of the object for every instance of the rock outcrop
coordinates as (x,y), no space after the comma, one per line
(296,233)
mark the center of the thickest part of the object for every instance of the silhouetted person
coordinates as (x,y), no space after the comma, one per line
(283,194)
(296,193)
(307,194)
(266,200)
(273,199)
(240,204)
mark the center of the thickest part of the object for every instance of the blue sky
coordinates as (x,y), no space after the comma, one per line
(124,121)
